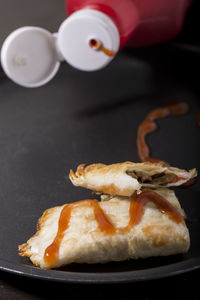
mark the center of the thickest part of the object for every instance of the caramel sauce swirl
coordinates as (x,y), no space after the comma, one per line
(149,126)
(136,211)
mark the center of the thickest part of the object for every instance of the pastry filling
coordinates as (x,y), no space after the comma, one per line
(160,179)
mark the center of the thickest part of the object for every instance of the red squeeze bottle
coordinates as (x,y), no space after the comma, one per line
(90,37)
(139,22)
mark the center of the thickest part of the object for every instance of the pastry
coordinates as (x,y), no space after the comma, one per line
(123,179)
(88,231)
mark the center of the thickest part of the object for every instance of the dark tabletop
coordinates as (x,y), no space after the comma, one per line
(49,14)
(182,287)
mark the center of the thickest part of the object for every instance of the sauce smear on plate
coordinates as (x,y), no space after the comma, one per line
(149,125)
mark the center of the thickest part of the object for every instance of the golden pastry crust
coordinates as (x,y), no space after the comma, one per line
(155,235)
(123,179)
(25,249)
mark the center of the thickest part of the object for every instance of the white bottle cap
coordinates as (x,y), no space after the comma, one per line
(78,30)
(29,56)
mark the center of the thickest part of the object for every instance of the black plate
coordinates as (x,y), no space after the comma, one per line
(93,117)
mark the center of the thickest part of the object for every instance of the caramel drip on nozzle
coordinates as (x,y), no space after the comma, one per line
(98,46)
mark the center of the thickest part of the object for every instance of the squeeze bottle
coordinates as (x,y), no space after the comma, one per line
(90,37)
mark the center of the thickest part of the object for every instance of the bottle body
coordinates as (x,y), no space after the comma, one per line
(139,22)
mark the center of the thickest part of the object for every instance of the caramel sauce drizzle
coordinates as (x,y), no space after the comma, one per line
(138,202)
(104,225)
(136,211)
(98,46)
(149,126)
(198,117)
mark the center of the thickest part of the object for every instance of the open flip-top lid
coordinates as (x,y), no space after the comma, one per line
(29,56)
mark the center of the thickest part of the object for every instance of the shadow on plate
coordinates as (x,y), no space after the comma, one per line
(124,266)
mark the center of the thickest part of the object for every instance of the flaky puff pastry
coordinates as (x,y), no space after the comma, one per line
(155,235)
(123,179)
